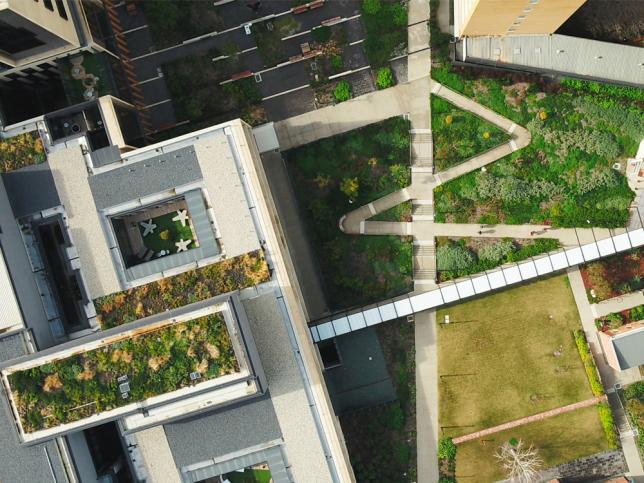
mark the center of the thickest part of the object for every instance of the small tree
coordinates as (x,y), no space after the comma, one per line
(520,463)
(384,78)
(350,187)
(342,91)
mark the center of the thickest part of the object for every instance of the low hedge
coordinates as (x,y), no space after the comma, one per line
(606,418)
(589,363)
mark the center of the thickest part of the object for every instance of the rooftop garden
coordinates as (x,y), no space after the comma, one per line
(459,135)
(86,77)
(616,320)
(385,24)
(192,286)
(169,233)
(153,363)
(510,355)
(19,151)
(572,171)
(614,276)
(382,440)
(335,175)
(458,257)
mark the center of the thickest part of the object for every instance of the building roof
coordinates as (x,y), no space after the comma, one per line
(560,54)
(155,174)
(31,189)
(231,430)
(10,314)
(41,462)
(628,348)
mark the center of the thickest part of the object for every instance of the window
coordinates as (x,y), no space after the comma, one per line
(48,5)
(60,6)
(17,39)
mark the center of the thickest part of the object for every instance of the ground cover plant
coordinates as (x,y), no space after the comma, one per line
(156,362)
(458,257)
(459,135)
(335,175)
(167,233)
(589,363)
(565,176)
(385,24)
(509,355)
(173,22)
(192,286)
(634,396)
(558,439)
(381,440)
(613,276)
(268,37)
(19,151)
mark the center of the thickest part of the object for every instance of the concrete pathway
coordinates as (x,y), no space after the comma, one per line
(607,374)
(426,397)
(617,304)
(530,419)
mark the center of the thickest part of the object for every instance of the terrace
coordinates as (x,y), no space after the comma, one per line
(174,361)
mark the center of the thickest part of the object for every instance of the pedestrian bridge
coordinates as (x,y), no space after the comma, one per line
(480,283)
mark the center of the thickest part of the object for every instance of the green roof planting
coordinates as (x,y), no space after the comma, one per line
(192,286)
(148,362)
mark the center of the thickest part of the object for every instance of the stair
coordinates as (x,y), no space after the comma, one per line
(425,274)
(424,250)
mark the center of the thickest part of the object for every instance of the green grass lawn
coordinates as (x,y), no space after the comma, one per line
(249,475)
(459,135)
(496,358)
(167,233)
(562,438)
(336,175)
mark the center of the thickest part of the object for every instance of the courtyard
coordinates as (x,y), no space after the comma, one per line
(507,356)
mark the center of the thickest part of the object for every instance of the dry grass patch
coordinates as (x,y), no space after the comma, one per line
(496,358)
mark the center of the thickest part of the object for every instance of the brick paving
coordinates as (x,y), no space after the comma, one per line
(529,419)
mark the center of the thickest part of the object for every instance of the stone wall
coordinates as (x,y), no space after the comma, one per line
(590,468)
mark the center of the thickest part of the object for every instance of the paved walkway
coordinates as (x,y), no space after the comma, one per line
(426,397)
(617,304)
(530,419)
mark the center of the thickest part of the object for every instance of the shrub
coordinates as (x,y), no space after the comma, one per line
(396,417)
(637,313)
(372,7)
(635,391)
(589,364)
(350,187)
(454,258)
(321,34)
(342,91)
(614,320)
(399,14)
(496,252)
(384,78)
(337,63)
(446,449)
(606,418)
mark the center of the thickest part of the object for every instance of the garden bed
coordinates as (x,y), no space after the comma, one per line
(335,175)
(613,276)
(618,319)
(458,257)
(565,176)
(155,362)
(459,135)
(153,298)
(268,38)
(381,440)
(19,151)
(198,96)
(385,24)
(634,395)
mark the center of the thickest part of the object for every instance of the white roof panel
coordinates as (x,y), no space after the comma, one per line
(10,314)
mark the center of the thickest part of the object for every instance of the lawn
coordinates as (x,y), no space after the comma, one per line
(509,355)
(558,439)
(381,440)
(249,475)
(614,276)
(20,151)
(565,176)
(167,233)
(192,286)
(157,362)
(335,175)
(458,257)
(459,135)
